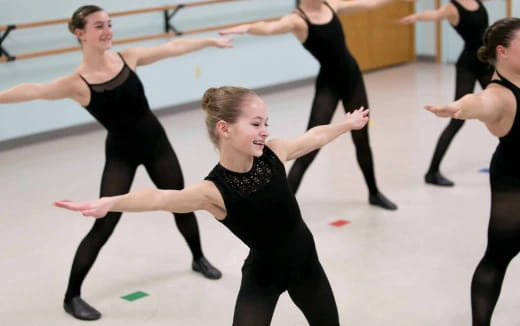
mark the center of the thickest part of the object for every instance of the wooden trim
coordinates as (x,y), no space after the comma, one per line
(116,14)
(509,8)
(133,39)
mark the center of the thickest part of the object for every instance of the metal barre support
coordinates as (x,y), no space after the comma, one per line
(3,52)
(167,20)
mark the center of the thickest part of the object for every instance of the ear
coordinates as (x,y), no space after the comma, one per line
(222,129)
(501,51)
(79,33)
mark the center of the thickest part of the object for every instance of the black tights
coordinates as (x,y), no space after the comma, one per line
(325,102)
(465,84)
(256,300)
(503,246)
(118,174)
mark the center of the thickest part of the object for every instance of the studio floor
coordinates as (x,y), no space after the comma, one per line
(410,267)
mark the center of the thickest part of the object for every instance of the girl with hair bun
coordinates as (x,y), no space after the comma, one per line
(469,18)
(497,106)
(106,85)
(248,192)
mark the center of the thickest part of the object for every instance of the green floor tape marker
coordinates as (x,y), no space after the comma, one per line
(134,296)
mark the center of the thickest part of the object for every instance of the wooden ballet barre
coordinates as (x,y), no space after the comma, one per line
(114,14)
(5,30)
(135,39)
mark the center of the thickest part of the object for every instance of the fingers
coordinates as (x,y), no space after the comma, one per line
(64,204)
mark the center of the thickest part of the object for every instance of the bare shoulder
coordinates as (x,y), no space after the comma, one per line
(210,191)
(278,147)
(450,12)
(500,94)
(131,56)
(334,4)
(75,88)
(215,202)
(295,19)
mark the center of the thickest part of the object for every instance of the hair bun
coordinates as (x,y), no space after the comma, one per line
(483,54)
(208,98)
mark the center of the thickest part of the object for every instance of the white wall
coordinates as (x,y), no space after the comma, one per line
(254,61)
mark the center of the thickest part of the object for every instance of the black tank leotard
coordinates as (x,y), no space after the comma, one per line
(469,69)
(262,212)
(339,78)
(504,224)
(134,137)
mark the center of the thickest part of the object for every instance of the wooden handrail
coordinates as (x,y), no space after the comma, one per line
(134,39)
(115,14)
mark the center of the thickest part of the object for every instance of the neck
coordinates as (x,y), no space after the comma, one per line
(311,4)
(236,162)
(94,58)
(509,73)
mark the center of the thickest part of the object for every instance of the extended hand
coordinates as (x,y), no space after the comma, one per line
(95,208)
(410,19)
(358,119)
(223,43)
(446,111)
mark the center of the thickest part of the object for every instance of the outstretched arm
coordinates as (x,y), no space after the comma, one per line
(65,87)
(192,198)
(489,106)
(447,11)
(286,24)
(175,47)
(317,137)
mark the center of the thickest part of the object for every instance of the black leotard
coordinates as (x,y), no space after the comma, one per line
(120,105)
(339,78)
(469,69)
(135,137)
(472,25)
(504,224)
(262,212)
(505,164)
(326,42)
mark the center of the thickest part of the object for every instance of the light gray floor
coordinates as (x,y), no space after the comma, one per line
(409,267)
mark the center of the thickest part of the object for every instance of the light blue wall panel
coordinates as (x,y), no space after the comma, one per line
(254,61)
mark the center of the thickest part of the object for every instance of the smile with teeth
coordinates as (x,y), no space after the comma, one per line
(258,142)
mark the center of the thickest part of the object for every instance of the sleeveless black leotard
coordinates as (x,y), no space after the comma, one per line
(504,224)
(469,70)
(471,27)
(120,105)
(135,137)
(339,78)
(262,212)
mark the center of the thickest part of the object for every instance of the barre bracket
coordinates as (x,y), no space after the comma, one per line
(168,26)
(3,51)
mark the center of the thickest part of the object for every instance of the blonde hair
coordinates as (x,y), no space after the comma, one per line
(223,104)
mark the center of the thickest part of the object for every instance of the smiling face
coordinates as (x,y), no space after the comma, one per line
(247,135)
(97,32)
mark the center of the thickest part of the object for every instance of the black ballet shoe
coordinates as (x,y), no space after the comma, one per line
(203,266)
(380,200)
(81,310)
(436,178)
